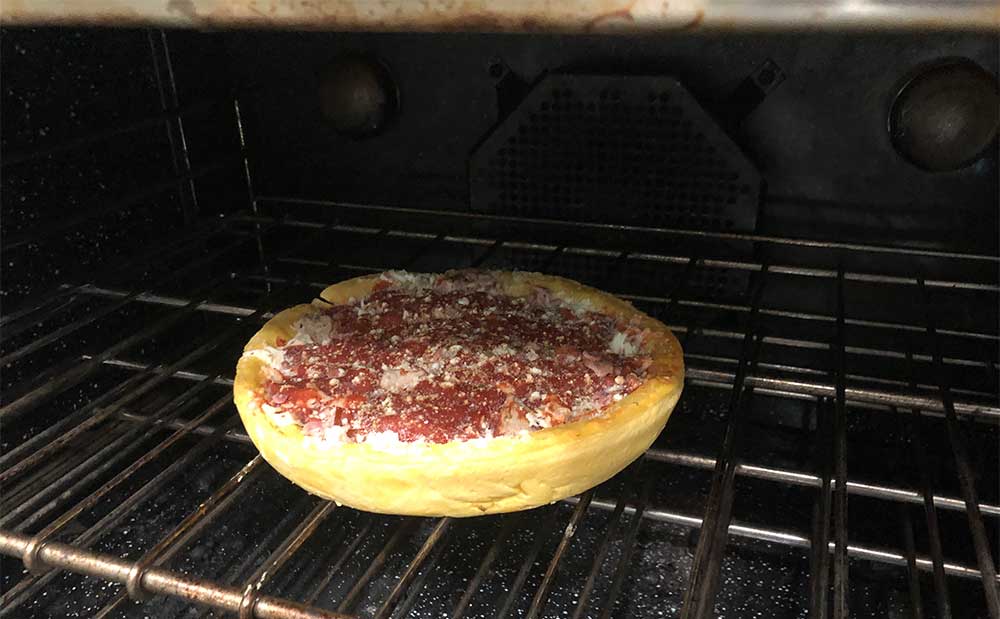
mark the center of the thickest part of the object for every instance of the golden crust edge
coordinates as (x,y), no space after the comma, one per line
(469,478)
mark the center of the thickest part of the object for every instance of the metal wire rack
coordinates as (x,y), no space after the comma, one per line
(832,372)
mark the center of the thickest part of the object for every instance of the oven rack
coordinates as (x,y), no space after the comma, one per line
(41,462)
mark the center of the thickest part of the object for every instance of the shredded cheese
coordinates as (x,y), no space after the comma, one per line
(375,368)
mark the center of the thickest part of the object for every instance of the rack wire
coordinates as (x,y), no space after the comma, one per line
(836,371)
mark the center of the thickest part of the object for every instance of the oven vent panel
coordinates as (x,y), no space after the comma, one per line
(628,150)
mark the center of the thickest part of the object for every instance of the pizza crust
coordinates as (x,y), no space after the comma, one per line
(480,476)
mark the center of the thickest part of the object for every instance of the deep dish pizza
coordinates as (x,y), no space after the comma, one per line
(458,394)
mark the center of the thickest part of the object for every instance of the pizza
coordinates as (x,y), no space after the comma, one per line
(457,394)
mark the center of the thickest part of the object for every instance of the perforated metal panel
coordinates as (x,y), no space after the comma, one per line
(615,149)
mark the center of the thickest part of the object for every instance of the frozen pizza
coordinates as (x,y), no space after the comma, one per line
(456,394)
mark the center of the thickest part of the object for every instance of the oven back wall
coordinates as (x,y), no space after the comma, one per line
(819,137)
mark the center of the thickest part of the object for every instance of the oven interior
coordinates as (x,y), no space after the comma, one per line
(832,276)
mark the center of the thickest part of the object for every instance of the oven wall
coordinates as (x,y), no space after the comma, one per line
(819,138)
(97,163)
(111,140)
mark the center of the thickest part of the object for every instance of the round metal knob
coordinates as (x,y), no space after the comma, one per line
(358,96)
(946,116)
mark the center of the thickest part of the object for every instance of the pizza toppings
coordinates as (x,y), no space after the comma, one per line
(439,358)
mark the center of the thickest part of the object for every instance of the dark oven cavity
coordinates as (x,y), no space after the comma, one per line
(835,288)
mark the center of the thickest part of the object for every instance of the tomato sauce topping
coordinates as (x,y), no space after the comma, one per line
(449,357)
